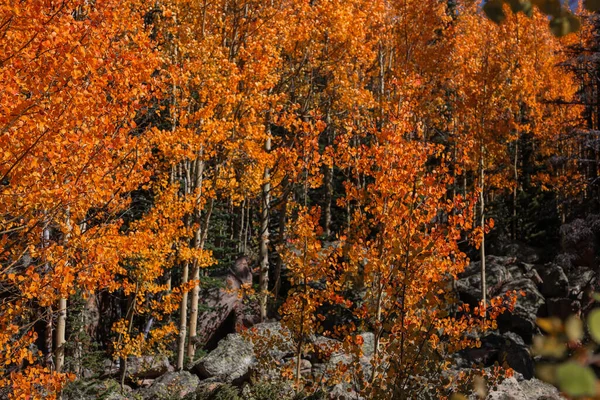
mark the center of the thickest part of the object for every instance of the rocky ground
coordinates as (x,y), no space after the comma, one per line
(560,287)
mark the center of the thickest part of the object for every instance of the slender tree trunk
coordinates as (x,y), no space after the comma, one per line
(129,318)
(61,324)
(242,224)
(60,334)
(49,338)
(49,331)
(299,357)
(454,173)
(199,239)
(182,320)
(282,228)
(191,351)
(328,198)
(515,192)
(329,181)
(482,224)
(264,235)
(247,230)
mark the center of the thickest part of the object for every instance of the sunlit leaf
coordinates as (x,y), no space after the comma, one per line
(574,328)
(594,324)
(576,379)
(550,325)
(546,372)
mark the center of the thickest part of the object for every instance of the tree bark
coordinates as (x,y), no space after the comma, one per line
(515,191)
(264,235)
(182,320)
(48,339)
(61,324)
(282,229)
(482,224)
(199,239)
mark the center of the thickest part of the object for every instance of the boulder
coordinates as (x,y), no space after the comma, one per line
(148,367)
(507,348)
(206,390)
(515,389)
(368,346)
(213,390)
(226,309)
(578,239)
(522,252)
(97,389)
(324,349)
(230,362)
(554,281)
(280,344)
(497,274)
(344,391)
(171,386)
(580,278)
(522,319)
(305,367)
(562,307)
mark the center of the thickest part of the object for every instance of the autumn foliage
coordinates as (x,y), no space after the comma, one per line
(349,147)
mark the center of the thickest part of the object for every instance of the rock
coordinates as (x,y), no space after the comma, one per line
(469,283)
(171,386)
(230,362)
(578,239)
(110,368)
(522,319)
(580,278)
(305,367)
(226,309)
(566,261)
(554,280)
(205,389)
(234,358)
(344,391)
(368,346)
(148,367)
(324,349)
(269,389)
(213,390)
(145,383)
(534,389)
(562,308)
(96,389)
(279,340)
(507,348)
(522,252)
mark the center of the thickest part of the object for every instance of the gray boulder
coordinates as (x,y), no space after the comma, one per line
(554,280)
(522,252)
(578,239)
(148,367)
(514,389)
(507,348)
(580,278)
(368,346)
(230,362)
(279,338)
(522,319)
(562,307)
(171,386)
(97,389)
(324,349)
(497,274)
